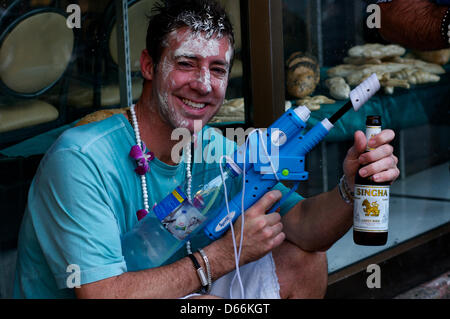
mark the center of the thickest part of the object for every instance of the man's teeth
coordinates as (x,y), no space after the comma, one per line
(193,104)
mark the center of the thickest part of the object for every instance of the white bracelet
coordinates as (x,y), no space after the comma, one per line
(345,191)
(208,269)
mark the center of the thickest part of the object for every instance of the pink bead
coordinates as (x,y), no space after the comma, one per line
(141,214)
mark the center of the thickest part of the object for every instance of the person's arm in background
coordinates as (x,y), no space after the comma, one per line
(415,24)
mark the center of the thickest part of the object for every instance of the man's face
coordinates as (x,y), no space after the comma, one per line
(191,78)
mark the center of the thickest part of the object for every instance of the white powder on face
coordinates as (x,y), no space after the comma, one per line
(192,44)
(229,53)
(169,113)
(166,68)
(196,44)
(205,79)
(164,103)
(223,84)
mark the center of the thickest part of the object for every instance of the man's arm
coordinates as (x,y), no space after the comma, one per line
(171,281)
(415,24)
(262,232)
(316,223)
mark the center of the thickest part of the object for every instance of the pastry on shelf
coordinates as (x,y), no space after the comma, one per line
(313,102)
(440,57)
(339,89)
(376,50)
(303,75)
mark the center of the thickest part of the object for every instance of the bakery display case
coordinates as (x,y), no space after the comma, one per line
(328,50)
(335,36)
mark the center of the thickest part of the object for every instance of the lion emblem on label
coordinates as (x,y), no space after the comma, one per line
(371,209)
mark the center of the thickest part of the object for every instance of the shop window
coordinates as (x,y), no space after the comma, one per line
(326,33)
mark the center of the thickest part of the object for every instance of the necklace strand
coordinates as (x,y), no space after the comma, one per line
(143,178)
(139,143)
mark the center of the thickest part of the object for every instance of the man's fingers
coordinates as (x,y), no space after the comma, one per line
(379,166)
(273,218)
(384,137)
(358,147)
(265,203)
(277,228)
(384,150)
(389,175)
(278,240)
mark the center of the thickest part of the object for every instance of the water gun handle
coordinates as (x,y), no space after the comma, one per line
(256,184)
(219,225)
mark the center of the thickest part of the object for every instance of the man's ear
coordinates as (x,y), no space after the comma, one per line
(146,65)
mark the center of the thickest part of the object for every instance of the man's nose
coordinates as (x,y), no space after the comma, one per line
(202,82)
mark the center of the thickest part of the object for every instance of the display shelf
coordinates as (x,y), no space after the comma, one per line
(409,218)
(420,105)
(436,181)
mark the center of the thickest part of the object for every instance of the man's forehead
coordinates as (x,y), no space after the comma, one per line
(185,42)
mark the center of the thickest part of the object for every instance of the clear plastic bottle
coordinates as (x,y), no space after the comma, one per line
(173,221)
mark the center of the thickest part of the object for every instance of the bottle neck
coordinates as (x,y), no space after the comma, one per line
(233,169)
(371,130)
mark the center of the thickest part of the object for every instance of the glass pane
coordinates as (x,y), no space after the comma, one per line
(31,79)
(94,82)
(340,36)
(233,109)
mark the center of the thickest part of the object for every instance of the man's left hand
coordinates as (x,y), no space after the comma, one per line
(380,163)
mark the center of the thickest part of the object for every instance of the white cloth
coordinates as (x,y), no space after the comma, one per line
(259,280)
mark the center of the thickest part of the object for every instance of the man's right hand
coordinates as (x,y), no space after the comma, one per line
(262,232)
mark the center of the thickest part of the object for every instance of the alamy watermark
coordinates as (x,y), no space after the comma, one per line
(374,19)
(74,18)
(374,279)
(262,145)
(74,279)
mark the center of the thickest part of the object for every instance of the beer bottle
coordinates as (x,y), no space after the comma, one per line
(371,205)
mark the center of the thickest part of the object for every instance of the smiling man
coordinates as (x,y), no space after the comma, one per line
(188,84)
(87,191)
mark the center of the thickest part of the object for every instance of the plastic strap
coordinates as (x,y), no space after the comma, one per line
(283,199)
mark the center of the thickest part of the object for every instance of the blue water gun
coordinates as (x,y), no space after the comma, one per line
(279,155)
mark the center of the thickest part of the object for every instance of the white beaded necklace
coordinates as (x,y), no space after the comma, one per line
(143,177)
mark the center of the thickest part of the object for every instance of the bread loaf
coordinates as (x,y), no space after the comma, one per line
(303,74)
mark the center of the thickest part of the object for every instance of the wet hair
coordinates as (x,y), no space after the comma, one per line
(205,16)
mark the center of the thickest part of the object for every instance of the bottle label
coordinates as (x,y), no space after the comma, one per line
(371,208)
(177,214)
(183,221)
(370,132)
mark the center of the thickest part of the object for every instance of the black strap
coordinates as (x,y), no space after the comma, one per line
(194,261)
(200,272)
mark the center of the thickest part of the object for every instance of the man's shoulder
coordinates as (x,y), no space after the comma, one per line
(90,136)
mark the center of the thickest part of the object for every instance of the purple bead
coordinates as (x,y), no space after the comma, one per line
(141,170)
(198,202)
(141,214)
(136,152)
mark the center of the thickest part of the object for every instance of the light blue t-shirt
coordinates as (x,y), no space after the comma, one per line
(84,196)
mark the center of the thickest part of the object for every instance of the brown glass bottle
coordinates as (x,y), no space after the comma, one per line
(371,206)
